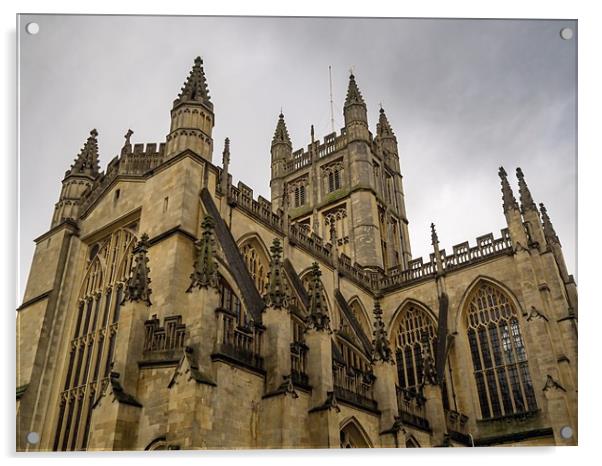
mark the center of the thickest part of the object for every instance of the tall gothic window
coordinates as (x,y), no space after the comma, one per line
(498,354)
(415,329)
(230,302)
(257,265)
(93,343)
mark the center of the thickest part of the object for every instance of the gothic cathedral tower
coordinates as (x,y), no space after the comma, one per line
(346,189)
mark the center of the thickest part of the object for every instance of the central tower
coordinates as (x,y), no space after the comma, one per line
(347,188)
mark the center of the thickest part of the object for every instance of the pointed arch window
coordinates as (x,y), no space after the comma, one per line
(257,265)
(93,341)
(498,354)
(352,436)
(415,330)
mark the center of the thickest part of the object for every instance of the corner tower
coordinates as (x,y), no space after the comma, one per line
(77,180)
(192,117)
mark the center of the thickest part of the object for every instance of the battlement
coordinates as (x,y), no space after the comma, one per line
(302,157)
(143,158)
(463,255)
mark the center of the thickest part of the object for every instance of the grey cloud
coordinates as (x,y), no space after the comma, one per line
(463,96)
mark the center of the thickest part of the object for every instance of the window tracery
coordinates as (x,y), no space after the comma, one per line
(333,176)
(498,353)
(335,226)
(414,330)
(93,343)
(257,265)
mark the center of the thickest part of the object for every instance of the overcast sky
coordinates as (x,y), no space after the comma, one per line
(463,97)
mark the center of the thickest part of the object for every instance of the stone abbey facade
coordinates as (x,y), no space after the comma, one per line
(166,308)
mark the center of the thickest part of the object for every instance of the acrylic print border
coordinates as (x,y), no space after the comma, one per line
(236,263)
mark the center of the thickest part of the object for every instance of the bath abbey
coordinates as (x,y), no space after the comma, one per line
(168,307)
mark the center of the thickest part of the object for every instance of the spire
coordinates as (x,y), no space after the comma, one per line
(276,295)
(383,127)
(548,228)
(205,267)
(507,195)
(526,200)
(354,96)
(435,243)
(86,163)
(380,344)
(281,134)
(195,88)
(137,287)
(225,166)
(318,314)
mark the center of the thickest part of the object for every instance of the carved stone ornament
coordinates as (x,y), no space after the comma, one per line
(535,314)
(552,384)
(205,267)
(380,343)
(276,295)
(137,287)
(318,314)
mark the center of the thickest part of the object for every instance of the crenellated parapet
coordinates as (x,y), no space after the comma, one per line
(303,157)
(143,158)
(463,255)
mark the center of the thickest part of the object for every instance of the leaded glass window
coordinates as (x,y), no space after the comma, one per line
(414,331)
(498,354)
(94,336)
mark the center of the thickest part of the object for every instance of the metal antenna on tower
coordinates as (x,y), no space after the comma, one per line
(331,102)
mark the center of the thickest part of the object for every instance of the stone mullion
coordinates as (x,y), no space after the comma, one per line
(483,370)
(518,362)
(83,416)
(73,433)
(506,374)
(67,431)
(493,369)
(61,421)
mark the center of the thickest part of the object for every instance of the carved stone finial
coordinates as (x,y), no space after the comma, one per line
(381,350)
(86,162)
(526,200)
(383,127)
(128,135)
(195,88)
(276,295)
(137,287)
(354,96)
(226,153)
(205,267)
(434,237)
(318,314)
(548,228)
(281,134)
(507,195)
